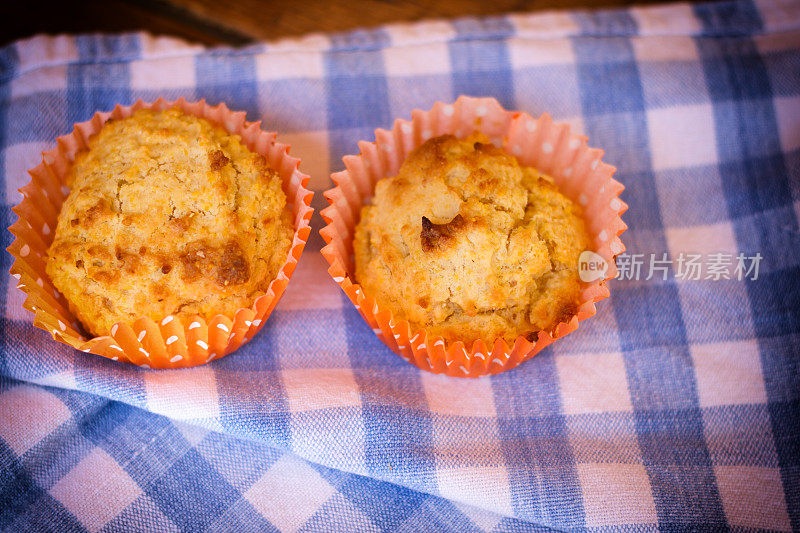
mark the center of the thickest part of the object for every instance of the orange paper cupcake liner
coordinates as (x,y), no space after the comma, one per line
(539,142)
(171,342)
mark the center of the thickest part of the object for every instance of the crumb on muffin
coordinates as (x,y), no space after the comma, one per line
(168,214)
(467,244)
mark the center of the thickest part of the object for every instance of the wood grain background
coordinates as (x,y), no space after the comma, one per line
(245,21)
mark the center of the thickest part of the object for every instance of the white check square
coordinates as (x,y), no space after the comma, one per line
(594,383)
(616,494)
(682,136)
(163,73)
(19,158)
(704,240)
(544,24)
(96,490)
(192,394)
(29,414)
(44,78)
(673,48)
(459,397)
(37,49)
(312,389)
(728,373)
(289,493)
(485,487)
(401,62)
(281,65)
(666,20)
(409,34)
(753,497)
(536,53)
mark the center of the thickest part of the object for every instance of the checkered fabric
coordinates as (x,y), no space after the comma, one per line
(676,407)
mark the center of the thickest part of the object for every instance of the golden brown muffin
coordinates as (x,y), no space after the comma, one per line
(469,245)
(167,215)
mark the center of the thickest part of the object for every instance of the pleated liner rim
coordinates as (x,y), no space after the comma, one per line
(171,342)
(550,147)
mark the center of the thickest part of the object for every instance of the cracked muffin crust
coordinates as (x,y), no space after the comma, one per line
(167,215)
(469,245)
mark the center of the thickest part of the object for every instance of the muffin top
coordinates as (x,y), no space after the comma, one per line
(167,215)
(469,245)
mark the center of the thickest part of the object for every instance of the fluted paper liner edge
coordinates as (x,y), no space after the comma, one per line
(170,342)
(576,168)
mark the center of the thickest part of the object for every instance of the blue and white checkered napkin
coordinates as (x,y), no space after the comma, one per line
(675,407)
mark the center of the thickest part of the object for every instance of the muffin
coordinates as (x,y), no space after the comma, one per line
(467,257)
(168,215)
(468,244)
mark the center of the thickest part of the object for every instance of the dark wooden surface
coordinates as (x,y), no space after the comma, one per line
(243,21)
